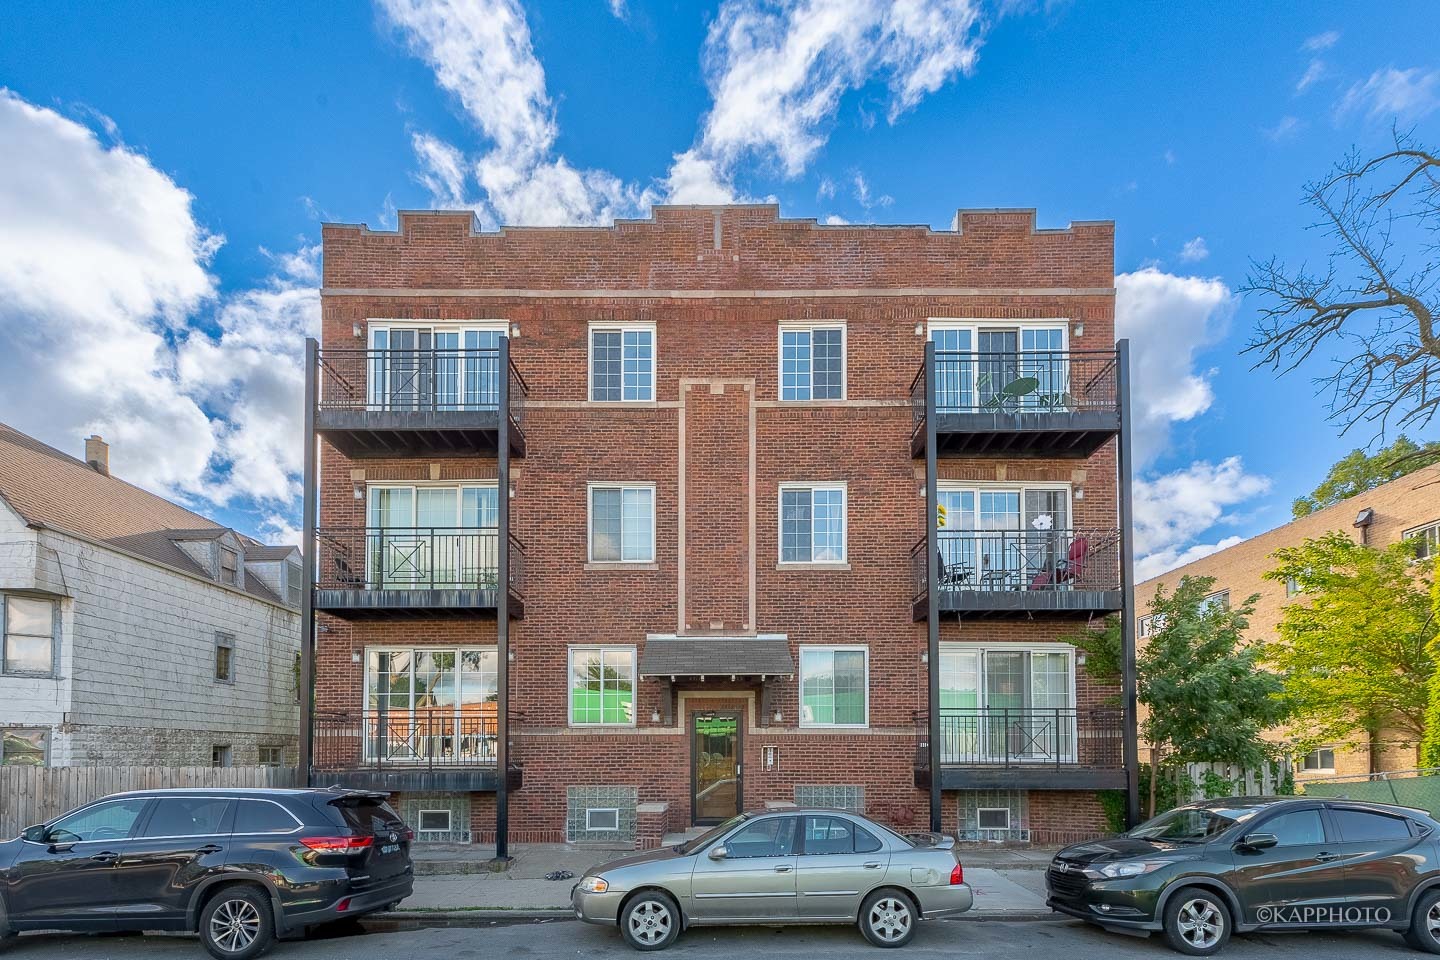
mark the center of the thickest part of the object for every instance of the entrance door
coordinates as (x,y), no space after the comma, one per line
(714,767)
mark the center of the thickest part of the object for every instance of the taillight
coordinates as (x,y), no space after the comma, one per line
(957,876)
(337,844)
(408,835)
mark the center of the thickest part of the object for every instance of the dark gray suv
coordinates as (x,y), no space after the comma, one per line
(239,867)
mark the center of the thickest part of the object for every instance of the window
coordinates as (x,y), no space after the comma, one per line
(992,818)
(224,658)
(812,362)
(263,816)
(833,686)
(433,821)
(1151,624)
(1429,540)
(24,748)
(229,566)
(292,583)
(431,537)
(995,537)
(1292,586)
(622,363)
(1321,759)
(108,820)
(1005,702)
(426,702)
(1294,829)
(1221,599)
(187,817)
(602,819)
(1362,825)
(602,686)
(272,756)
(622,524)
(426,367)
(987,366)
(220,755)
(771,837)
(812,524)
(29,636)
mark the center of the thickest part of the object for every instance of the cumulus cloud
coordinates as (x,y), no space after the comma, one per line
(1173,510)
(1163,561)
(1404,95)
(115,324)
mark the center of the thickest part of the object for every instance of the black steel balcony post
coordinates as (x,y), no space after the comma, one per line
(932,585)
(502,611)
(308,565)
(1126,467)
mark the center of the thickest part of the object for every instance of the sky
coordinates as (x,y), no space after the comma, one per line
(165,168)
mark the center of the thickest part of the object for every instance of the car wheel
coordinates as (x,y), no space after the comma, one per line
(888,918)
(7,935)
(651,921)
(237,924)
(1424,930)
(1197,922)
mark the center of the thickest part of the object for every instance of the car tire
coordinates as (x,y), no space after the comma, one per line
(7,935)
(888,918)
(1197,922)
(1423,934)
(237,924)
(650,921)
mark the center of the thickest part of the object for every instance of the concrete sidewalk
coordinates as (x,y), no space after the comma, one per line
(460,885)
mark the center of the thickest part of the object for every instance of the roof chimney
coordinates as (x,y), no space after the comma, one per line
(97,454)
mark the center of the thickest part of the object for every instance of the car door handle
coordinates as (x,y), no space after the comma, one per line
(106,857)
(784,868)
(210,848)
(873,865)
(1326,857)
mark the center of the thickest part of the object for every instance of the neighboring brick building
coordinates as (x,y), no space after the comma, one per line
(1409,506)
(715,427)
(134,631)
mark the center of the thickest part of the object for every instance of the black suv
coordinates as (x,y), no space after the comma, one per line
(237,866)
(1250,863)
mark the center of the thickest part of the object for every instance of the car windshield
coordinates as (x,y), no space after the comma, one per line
(1191,824)
(711,834)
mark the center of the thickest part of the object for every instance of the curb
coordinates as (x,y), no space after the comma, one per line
(485,917)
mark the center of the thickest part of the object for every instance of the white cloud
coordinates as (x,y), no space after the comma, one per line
(1321,41)
(1169,320)
(826,190)
(1173,509)
(1194,250)
(1163,561)
(1405,95)
(481,51)
(834,220)
(864,197)
(1312,73)
(1284,130)
(104,277)
(620,9)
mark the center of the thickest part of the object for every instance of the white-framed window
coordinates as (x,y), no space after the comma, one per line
(1220,598)
(1319,760)
(428,365)
(999,536)
(25,747)
(224,658)
(1001,364)
(1292,586)
(812,361)
(992,818)
(1151,624)
(813,523)
(431,536)
(622,522)
(1429,537)
(602,686)
(1007,701)
(834,686)
(622,362)
(602,819)
(272,756)
(432,821)
(28,628)
(422,702)
(221,755)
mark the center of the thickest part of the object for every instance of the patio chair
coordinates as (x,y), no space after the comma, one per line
(953,574)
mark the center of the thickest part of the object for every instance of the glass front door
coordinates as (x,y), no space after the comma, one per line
(715,766)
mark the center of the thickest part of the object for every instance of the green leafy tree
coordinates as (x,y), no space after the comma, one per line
(1103,649)
(1209,698)
(1358,471)
(1357,650)
(1430,745)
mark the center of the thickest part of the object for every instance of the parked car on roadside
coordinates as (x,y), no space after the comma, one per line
(239,867)
(781,867)
(1204,870)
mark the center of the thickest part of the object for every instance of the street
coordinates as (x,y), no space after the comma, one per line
(992,940)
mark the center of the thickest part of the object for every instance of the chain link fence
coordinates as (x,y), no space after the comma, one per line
(1408,788)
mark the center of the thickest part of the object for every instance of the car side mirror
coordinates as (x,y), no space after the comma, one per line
(34,834)
(1261,841)
(718,853)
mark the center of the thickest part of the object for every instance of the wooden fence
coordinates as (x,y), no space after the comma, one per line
(34,794)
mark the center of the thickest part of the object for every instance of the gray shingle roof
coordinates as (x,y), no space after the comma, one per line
(716,657)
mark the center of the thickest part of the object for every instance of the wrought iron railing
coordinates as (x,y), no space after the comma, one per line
(415,558)
(1020,560)
(1048,381)
(1053,736)
(407,738)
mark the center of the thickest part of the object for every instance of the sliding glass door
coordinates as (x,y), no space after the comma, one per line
(1001,538)
(433,537)
(987,367)
(426,368)
(999,705)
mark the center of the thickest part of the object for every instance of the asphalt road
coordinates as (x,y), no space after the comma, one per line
(991,940)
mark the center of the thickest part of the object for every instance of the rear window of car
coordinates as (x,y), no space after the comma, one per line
(187,817)
(366,815)
(262,816)
(1364,825)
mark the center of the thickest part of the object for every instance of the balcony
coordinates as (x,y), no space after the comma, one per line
(438,748)
(1062,404)
(432,402)
(1040,748)
(395,573)
(1019,573)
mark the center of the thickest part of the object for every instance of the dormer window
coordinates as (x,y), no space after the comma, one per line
(229,566)
(292,583)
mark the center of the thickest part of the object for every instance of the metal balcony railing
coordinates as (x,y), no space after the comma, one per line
(429,380)
(1020,560)
(407,738)
(415,558)
(1043,736)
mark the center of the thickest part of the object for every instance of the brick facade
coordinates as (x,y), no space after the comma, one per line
(717,443)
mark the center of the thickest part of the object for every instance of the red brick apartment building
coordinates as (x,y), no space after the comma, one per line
(707,456)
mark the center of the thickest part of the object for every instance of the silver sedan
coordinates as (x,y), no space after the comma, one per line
(781,867)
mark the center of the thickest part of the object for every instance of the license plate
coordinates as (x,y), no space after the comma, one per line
(389,848)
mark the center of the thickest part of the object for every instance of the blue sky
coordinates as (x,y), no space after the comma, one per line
(173,162)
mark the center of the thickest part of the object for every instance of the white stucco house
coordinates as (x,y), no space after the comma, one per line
(134,631)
